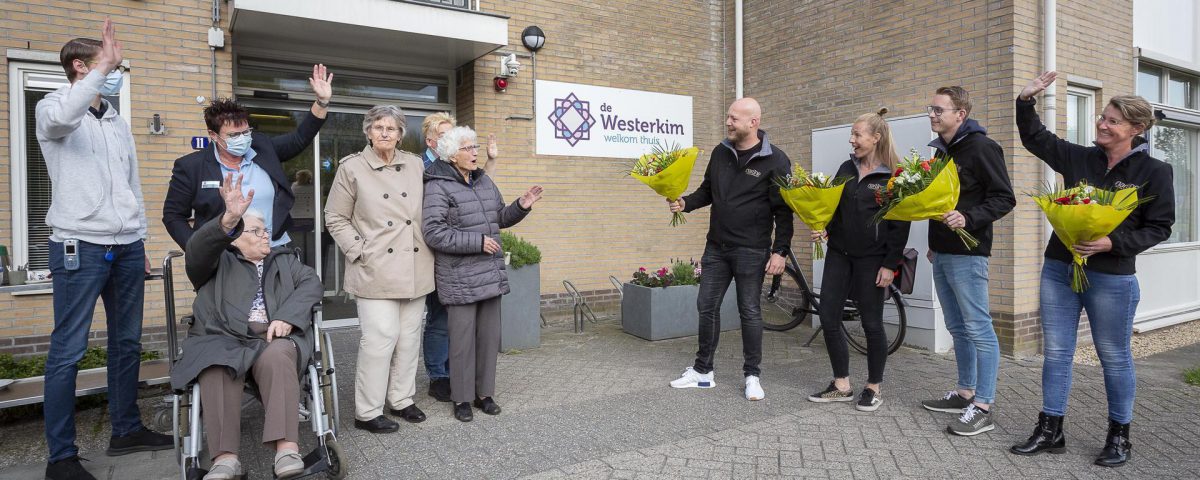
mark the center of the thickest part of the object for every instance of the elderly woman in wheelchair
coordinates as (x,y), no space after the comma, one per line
(253,320)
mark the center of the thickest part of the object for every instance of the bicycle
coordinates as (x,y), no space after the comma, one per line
(787,301)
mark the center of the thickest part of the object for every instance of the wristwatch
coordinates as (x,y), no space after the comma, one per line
(322,104)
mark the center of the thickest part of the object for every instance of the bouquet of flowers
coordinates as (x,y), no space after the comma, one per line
(922,189)
(678,273)
(1085,213)
(667,170)
(814,197)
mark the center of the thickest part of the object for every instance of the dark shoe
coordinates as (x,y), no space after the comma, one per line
(1048,435)
(67,469)
(487,405)
(1117,448)
(410,414)
(462,411)
(439,389)
(869,400)
(832,394)
(380,424)
(143,440)
(951,403)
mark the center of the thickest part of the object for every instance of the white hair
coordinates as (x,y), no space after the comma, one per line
(453,140)
(379,112)
(255,214)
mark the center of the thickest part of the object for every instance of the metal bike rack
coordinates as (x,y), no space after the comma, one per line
(580,310)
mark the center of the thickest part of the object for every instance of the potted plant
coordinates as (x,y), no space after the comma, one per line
(661,304)
(520,309)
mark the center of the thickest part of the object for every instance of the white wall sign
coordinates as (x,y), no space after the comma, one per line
(589,121)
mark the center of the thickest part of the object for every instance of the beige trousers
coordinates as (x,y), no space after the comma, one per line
(387,354)
(278,386)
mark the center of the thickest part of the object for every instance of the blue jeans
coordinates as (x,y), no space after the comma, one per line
(962,289)
(436,342)
(121,284)
(1111,302)
(721,265)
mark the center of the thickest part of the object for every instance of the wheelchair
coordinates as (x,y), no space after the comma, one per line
(318,396)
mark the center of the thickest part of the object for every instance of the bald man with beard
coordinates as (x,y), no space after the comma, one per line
(746,206)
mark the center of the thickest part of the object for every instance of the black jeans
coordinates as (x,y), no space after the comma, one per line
(719,265)
(845,276)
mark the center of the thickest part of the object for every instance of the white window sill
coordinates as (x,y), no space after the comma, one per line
(28,289)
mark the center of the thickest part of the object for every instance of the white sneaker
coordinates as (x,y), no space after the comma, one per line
(693,379)
(754,391)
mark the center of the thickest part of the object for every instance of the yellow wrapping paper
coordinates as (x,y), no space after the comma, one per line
(1084,223)
(939,197)
(815,207)
(673,180)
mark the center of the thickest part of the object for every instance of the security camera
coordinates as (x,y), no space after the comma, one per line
(509,66)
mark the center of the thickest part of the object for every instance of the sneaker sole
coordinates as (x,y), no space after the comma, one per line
(871,408)
(755,399)
(944,410)
(116,452)
(973,433)
(830,400)
(696,385)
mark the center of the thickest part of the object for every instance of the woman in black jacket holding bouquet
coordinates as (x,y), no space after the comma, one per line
(861,260)
(1120,159)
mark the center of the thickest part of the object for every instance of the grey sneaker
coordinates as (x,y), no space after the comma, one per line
(831,394)
(951,403)
(973,421)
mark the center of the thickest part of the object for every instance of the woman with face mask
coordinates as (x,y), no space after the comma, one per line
(234,148)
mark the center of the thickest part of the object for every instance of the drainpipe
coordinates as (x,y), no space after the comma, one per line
(1049,99)
(738,57)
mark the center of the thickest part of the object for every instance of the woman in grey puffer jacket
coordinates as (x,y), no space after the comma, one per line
(461,220)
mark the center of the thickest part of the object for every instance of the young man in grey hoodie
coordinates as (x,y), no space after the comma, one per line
(96,249)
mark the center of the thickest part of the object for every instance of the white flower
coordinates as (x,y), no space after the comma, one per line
(1088,189)
(820,177)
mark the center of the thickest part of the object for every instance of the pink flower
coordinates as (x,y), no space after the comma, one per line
(643,269)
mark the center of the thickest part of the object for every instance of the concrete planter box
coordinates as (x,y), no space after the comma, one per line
(661,313)
(520,310)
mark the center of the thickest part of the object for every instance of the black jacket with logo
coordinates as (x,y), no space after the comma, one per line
(745,199)
(986,194)
(1147,226)
(852,231)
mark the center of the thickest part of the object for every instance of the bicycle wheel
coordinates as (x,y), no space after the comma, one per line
(895,322)
(784,302)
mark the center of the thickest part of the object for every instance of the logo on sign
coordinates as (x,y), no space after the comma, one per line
(572,119)
(199,143)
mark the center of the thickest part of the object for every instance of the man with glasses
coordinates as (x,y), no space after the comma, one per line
(234,148)
(960,274)
(97,249)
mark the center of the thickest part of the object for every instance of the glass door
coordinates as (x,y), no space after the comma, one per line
(312,173)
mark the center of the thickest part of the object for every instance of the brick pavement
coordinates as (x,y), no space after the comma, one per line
(597,406)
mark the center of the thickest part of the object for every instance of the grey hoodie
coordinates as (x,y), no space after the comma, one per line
(97,193)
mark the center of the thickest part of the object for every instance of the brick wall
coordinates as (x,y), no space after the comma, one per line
(165,43)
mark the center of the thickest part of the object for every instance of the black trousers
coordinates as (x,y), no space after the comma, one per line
(720,265)
(850,277)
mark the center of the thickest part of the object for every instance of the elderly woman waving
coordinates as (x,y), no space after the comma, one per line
(463,215)
(253,317)
(374,214)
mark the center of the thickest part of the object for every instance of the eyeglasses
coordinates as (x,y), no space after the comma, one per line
(1112,122)
(243,133)
(382,129)
(938,111)
(469,147)
(120,68)
(260,232)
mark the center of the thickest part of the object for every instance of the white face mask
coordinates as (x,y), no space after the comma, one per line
(239,146)
(112,83)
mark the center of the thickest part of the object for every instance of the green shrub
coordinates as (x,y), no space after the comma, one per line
(522,252)
(1192,377)
(35,366)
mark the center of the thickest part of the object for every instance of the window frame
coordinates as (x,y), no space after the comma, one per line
(1089,117)
(18,201)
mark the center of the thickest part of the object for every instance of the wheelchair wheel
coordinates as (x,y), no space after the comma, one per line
(328,382)
(337,469)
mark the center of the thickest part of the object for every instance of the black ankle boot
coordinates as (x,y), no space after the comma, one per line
(1117,448)
(1048,435)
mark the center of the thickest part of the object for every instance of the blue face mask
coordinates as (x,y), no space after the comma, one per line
(239,146)
(112,83)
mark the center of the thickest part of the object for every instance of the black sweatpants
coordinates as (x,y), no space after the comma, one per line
(850,277)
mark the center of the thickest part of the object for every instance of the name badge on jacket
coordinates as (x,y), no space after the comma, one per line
(210,184)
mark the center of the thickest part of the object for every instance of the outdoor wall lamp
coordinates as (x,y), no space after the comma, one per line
(533,37)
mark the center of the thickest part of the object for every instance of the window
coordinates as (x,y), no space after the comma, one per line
(367,86)
(1166,86)
(1149,83)
(1176,145)
(1081,108)
(31,189)
(1181,90)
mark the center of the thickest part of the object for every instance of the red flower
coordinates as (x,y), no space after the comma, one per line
(898,172)
(1087,201)
(1063,201)
(642,269)
(925,166)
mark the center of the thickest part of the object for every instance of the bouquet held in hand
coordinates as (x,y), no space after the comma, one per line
(813,197)
(922,189)
(667,170)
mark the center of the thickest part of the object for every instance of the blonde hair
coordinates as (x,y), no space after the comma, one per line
(885,150)
(431,122)
(1135,109)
